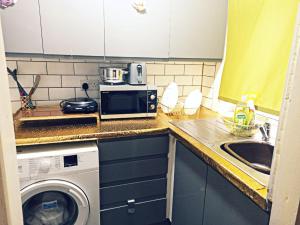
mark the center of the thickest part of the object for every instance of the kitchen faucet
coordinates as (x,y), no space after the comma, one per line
(265,131)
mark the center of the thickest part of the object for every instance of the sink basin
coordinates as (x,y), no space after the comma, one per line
(257,155)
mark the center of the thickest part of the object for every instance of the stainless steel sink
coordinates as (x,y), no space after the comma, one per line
(257,155)
(249,155)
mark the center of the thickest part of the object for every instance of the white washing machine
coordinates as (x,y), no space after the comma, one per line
(60,184)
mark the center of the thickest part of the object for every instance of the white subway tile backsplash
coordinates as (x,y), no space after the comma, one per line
(180,90)
(189,89)
(47,103)
(41,94)
(193,69)
(155,69)
(62,76)
(208,81)
(209,70)
(50,81)
(184,80)
(61,93)
(208,63)
(163,80)
(72,81)
(25,67)
(174,70)
(98,78)
(218,67)
(207,102)
(60,68)
(160,91)
(25,80)
(86,68)
(14,94)
(207,92)
(92,93)
(197,80)
(150,80)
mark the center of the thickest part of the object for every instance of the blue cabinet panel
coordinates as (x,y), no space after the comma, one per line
(226,205)
(189,187)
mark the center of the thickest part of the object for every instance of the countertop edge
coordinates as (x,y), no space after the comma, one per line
(89,137)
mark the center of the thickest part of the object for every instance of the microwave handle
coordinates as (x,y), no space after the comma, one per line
(140,72)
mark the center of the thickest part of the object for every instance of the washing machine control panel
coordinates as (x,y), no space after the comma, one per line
(70,160)
(35,166)
(45,165)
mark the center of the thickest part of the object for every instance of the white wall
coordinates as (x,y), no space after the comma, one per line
(10,205)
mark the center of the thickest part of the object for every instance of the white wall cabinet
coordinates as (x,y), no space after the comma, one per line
(72,27)
(132,34)
(198,28)
(167,29)
(21,27)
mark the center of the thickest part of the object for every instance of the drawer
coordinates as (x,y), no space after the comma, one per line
(120,194)
(145,213)
(133,148)
(118,172)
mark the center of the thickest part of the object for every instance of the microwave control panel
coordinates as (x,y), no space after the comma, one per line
(152,101)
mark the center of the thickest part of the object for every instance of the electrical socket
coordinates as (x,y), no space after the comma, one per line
(93,84)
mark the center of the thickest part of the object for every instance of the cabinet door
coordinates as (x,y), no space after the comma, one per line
(198,28)
(226,205)
(21,27)
(131,148)
(73,27)
(189,188)
(142,213)
(129,33)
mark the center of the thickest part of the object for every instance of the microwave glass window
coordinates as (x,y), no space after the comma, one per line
(120,102)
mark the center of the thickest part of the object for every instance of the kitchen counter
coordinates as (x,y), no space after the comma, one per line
(41,134)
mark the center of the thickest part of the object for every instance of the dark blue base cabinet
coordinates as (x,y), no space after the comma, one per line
(133,183)
(189,188)
(204,197)
(144,213)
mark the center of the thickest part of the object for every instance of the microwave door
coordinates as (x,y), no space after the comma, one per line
(123,102)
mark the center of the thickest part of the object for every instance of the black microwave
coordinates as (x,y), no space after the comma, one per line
(127,101)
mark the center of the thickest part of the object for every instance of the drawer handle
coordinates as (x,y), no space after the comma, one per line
(131,206)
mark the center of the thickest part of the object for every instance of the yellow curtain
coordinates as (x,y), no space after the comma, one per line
(259,39)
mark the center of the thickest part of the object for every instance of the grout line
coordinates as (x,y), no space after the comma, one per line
(61,81)
(43,49)
(47,68)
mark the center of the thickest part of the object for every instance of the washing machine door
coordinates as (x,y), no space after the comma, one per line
(54,202)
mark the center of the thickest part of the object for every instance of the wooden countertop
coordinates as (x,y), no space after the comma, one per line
(40,134)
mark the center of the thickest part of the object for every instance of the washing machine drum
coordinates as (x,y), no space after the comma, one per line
(54,202)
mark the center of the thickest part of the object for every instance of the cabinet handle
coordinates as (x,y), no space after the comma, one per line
(131,206)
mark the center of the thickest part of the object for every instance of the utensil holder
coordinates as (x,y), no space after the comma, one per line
(26,103)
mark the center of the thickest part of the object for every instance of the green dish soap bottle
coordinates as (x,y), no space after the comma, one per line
(241,112)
